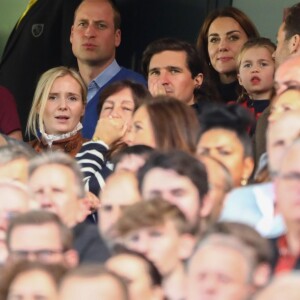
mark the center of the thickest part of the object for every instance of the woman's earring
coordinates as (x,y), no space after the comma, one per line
(244,181)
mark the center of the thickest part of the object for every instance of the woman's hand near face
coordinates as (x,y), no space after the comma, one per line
(110,130)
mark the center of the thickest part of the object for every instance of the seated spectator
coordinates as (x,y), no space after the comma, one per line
(40,235)
(255,71)
(144,280)
(31,280)
(120,191)
(160,231)
(287,246)
(173,67)
(255,205)
(9,119)
(224,267)
(56,183)
(131,158)
(224,136)
(14,159)
(117,104)
(57,108)
(186,187)
(92,282)
(287,100)
(15,200)
(165,124)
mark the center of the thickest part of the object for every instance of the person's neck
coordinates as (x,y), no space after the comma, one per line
(174,284)
(89,72)
(264,95)
(293,237)
(227,78)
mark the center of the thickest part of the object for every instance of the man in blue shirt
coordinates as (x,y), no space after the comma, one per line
(95,35)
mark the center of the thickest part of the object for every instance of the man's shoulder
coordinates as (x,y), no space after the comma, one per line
(125,73)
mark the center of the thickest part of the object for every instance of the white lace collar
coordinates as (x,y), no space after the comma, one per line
(50,138)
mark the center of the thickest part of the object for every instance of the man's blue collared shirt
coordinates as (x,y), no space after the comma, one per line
(102,79)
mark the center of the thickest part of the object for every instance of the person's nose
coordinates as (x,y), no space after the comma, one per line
(142,245)
(223,45)
(89,31)
(63,104)
(129,137)
(164,77)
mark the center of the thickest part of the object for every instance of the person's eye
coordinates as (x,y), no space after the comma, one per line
(57,190)
(224,152)
(264,64)
(101,26)
(137,127)
(155,233)
(234,37)
(73,98)
(203,151)
(106,208)
(134,238)
(127,108)
(82,24)
(214,40)
(174,71)
(247,65)
(107,107)
(52,97)
(154,73)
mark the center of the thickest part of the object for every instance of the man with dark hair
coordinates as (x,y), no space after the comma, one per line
(95,35)
(173,67)
(288,37)
(39,235)
(187,183)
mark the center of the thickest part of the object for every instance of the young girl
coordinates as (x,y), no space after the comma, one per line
(255,67)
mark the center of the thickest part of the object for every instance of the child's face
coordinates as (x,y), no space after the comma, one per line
(256,72)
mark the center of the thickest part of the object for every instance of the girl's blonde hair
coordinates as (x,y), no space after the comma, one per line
(36,115)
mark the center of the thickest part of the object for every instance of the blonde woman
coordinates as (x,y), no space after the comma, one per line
(58,105)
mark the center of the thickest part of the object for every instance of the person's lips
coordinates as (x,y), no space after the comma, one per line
(255,80)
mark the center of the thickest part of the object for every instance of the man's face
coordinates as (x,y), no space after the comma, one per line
(218,277)
(282,51)
(280,135)
(54,188)
(169,74)
(287,187)
(177,189)
(161,244)
(287,74)
(120,190)
(16,202)
(96,288)
(93,35)
(36,242)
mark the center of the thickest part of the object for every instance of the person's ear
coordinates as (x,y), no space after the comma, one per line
(71,35)
(187,244)
(207,206)
(248,168)
(261,275)
(83,209)
(117,38)
(294,44)
(71,258)
(198,80)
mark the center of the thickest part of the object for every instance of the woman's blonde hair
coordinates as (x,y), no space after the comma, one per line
(36,115)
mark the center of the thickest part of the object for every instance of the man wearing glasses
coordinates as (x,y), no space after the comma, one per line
(41,235)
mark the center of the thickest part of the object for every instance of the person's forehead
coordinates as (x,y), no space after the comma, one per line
(168,58)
